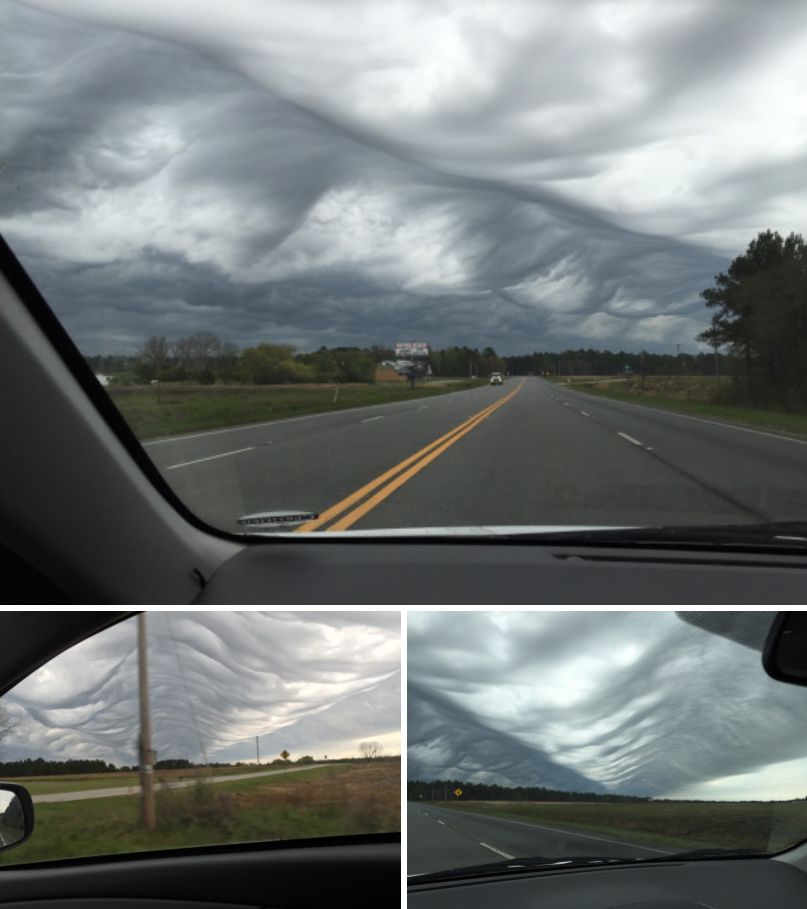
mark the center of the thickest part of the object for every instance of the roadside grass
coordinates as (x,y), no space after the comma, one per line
(694,395)
(326,801)
(170,409)
(769,826)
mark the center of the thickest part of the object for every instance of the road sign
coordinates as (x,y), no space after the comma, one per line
(410,350)
(458,792)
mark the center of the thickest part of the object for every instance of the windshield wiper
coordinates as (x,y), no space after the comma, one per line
(536,862)
(519,864)
(777,534)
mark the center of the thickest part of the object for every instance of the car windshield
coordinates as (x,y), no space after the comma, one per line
(366,266)
(174,730)
(552,739)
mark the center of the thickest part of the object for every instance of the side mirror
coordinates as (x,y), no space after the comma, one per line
(785,653)
(16,815)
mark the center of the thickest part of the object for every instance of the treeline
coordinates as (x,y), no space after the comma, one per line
(40,767)
(760,316)
(205,359)
(443,790)
(592,362)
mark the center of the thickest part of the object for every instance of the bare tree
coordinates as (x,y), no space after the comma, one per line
(370,750)
(156,352)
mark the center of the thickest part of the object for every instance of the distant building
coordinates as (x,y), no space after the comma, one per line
(387,371)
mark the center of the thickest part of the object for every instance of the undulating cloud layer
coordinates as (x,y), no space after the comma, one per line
(520,174)
(634,703)
(308,683)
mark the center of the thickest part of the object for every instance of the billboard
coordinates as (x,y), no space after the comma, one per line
(411,350)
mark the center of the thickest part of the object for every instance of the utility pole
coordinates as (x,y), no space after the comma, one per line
(258,749)
(148,809)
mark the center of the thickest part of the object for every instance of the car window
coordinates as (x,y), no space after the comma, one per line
(347,267)
(597,737)
(261,727)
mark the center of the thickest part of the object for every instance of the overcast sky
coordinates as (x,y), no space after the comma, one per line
(310,683)
(522,174)
(638,703)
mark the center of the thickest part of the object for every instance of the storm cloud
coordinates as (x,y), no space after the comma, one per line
(634,703)
(309,683)
(357,173)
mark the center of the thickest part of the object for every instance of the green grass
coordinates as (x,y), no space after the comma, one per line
(169,409)
(46,785)
(693,395)
(769,826)
(326,801)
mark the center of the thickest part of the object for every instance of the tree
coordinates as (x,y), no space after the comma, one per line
(155,353)
(271,364)
(760,314)
(370,750)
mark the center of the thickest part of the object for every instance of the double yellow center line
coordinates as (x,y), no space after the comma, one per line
(385,484)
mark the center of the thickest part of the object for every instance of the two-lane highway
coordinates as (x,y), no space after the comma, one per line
(525,453)
(441,838)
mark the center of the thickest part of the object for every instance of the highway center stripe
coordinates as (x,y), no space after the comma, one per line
(445,441)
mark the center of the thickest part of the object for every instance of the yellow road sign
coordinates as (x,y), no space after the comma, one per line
(458,792)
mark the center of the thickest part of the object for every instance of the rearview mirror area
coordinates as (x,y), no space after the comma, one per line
(785,654)
(16,815)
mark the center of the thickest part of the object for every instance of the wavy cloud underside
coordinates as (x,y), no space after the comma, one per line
(353,173)
(308,682)
(634,703)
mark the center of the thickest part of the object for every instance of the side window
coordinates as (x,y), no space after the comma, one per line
(187,729)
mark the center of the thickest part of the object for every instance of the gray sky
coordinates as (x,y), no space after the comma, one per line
(638,703)
(307,682)
(522,174)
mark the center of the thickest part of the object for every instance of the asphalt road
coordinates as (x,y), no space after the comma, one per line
(546,455)
(177,784)
(442,838)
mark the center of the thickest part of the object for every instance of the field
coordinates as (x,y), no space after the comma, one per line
(675,825)
(704,396)
(45,785)
(168,409)
(362,797)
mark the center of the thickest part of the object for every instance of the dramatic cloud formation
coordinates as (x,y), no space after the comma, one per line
(354,173)
(635,703)
(309,683)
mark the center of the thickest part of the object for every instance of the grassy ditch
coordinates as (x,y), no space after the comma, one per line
(169,409)
(665,825)
(326,801)
(702,396)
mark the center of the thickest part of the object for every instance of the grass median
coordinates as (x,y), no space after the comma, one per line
(673,826)
(171,409)
(325,801)
(698,396)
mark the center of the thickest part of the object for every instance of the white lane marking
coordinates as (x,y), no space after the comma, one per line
(586,836)
(630,439)
(372,419)
(566,404)
(584,413)
(211,457)
(442,822)
(686,416)
(497,851)
(423,407)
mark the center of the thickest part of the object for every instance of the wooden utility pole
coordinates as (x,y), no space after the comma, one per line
(148,811)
